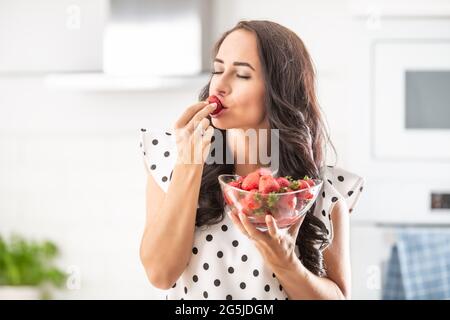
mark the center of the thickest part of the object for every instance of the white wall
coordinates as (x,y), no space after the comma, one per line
(71,169)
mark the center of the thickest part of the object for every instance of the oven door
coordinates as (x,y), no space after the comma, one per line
(411,99)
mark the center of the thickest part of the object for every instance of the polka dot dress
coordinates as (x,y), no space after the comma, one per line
(225,264)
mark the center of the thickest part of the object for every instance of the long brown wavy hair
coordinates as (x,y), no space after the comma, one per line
(292,108)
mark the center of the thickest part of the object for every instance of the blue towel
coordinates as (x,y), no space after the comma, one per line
(419,265)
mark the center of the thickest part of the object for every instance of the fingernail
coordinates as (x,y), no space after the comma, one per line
(214,105)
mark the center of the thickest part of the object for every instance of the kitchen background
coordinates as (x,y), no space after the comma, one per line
(79,78)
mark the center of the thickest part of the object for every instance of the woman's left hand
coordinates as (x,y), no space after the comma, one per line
(276,246)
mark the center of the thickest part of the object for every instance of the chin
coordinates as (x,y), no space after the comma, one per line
(220,124)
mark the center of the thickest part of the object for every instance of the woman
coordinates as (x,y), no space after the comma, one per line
(264,77)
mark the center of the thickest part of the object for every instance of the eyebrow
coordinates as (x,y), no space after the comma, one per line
(237,63)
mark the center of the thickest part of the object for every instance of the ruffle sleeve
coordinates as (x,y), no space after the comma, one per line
(159,152)
(338,184)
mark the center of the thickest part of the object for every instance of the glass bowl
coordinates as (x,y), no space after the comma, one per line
(287,208)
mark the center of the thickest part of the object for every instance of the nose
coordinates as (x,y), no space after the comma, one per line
(220,86)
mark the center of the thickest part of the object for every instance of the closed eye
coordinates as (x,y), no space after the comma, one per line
(239,76)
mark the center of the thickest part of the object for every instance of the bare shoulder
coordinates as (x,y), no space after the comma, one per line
(340,224)
(340,211)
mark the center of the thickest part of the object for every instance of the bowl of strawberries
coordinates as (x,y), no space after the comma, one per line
(260,193)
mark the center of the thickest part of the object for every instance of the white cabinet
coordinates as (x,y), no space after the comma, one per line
(51,35)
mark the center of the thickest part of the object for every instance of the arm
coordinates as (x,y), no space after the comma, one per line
(169,232)
(170,227)
(300,283)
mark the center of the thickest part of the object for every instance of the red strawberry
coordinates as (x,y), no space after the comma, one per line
(235,184)
(251,181)
(251,201)
(304,195)
(268,184)
(303,184)
(288,201)
(212,99)
(298,185)
(309,181)
(283,182)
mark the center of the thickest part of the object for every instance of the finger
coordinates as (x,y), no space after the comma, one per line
(200,142)
(189,113)
(208,136)
(199,133)
(272,226)
(250,228)
(206,143)
(202,126)
(237,222)
(200,115)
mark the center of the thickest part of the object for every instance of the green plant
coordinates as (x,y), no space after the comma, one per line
(29,263)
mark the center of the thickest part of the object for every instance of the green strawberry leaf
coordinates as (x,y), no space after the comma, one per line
(259,211)
(294,185)
(272,199)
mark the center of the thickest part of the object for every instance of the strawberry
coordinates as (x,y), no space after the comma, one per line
(212,99)
(235,184)
(283,182)
(251,181)
(309,181)
(268,184)
(288,201)
(303,184)
(304,195)
(251,201)
(298,185)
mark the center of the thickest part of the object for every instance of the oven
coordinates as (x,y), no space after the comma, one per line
(411,99)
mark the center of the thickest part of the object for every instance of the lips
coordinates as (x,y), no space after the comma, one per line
(220,106)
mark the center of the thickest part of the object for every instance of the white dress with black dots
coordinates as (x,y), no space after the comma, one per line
(225,264)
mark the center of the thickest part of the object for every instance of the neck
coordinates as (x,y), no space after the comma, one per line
(246,147)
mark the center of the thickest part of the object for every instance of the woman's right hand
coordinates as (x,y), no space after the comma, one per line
(192,147)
